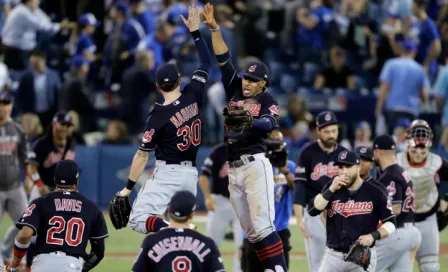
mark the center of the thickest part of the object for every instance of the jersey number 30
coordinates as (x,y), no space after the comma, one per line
(71,238)
(181,264)
(191,135)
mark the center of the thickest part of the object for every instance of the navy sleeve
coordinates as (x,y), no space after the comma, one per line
(212,163)
(142,263)
(230,79)
(148,142)
(99,230)
(214,262)
(311,209)
(269,109)
(300,179)
(442,174)
(31,216)
(381,208)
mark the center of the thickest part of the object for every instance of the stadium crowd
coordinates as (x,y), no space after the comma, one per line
(97,60)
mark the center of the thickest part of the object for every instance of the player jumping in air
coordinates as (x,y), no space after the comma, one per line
(251,114)
(173,130)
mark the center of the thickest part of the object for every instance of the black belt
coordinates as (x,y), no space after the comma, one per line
(239,163)
(180,162)
(342,250)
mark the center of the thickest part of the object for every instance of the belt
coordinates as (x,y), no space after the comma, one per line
(342,250)
(406,225)
(60,253)
(189,163)
(244,160)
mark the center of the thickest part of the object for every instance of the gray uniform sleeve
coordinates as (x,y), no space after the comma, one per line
(23,147)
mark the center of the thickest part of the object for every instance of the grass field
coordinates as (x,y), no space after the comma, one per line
(122,247)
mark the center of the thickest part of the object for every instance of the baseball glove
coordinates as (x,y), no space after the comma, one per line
(442,220)
(237,118)
(278,158)
(359,255)
(119,211)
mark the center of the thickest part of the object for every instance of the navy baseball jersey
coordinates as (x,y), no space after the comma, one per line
(64,221)
(351,214)
(45,154)
(249,141)
(178,249)
(399,191)
(174,131)
(217,167)
(313,171)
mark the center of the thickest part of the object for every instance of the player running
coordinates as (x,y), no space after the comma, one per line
(354,208)
(314,170)
(187,250)
(64,221)
(251,114)
(284,182)
(173,130)
(428,173)
(217,202)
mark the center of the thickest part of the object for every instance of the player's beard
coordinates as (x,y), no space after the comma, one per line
(329,143)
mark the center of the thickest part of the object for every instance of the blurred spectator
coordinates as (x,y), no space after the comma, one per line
(388,46)
(5,82)
(32,126)
(77,96)
(143,16)
(428,38)
(444,42)
(300,142)
(404,84)
(122,42)
(74,128)
(136,86)
(338,75)
(38,89)
(296,112)
(5,8)
(437,10)
(363,137)
(399,134)
(441,93)
(157,43)
(20,29)
(85,45)
(116,134)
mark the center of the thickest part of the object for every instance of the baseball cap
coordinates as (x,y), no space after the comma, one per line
(167,73)
(66,172)
(365,153)
(408,45)
(63,118)
(78,61)
(347,158)
(257,70)
(384,142)
(123,7)
(183,203)
(88,19)
(6,97)
(326,118)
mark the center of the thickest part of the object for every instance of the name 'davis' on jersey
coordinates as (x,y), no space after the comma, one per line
(178,243)
(184,115)
(68,205)
(350,208)
(324,170)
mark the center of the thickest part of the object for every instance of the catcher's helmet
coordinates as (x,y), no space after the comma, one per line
(419,134)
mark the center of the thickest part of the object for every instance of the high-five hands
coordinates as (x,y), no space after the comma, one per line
(194,18)
(210,16)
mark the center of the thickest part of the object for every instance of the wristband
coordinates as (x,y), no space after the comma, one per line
(327,194)
(130,184)
(195,34)
(223,57)
(217,29)
(20,249)
(376,235)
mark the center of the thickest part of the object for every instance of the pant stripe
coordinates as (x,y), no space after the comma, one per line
(267,194)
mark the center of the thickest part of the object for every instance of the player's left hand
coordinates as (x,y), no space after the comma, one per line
(194,18)
(125,192)
(443,205)
(365,240)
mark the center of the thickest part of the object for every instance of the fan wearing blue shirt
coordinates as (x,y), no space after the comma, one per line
(284,182)
(85,45)
(142,15)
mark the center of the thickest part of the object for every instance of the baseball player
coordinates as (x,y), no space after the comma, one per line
(64,221)
(173,130)
(354,208)
(217,200)
(393,253)
(428,173)
(251,114)
(13,155)
(314,170)
(177,248)
(284,182)
(366,163)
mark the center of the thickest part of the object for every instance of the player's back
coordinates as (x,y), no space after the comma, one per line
(67,221)
(178,249)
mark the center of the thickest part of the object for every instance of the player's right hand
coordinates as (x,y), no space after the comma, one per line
(210,16)
(303,230)
(338,182)
(194,18)
(210,203)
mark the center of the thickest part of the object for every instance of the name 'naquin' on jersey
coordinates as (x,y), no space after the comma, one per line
(184,115)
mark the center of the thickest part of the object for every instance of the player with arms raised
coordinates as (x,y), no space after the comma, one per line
(429,174)
(173,130)
(251,114)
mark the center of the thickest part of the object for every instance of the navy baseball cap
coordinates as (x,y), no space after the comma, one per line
(183,203)
(347,158)
(66,172)
(167,73)
(384,142)
(257,71)
(365,152)
(6,97)
(63,118)
(326,118)
(88,19)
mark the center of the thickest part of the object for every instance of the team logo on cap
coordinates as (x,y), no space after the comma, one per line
(29,210)
(363,150)
(252,68)
(327,117)
(147,137)
(343,156)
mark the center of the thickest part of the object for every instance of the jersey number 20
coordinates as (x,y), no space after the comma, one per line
(71,238)
(191,135)
(181,264)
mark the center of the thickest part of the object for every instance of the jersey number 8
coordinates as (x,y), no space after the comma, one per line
(181,264)
(59,225)
(191,135)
